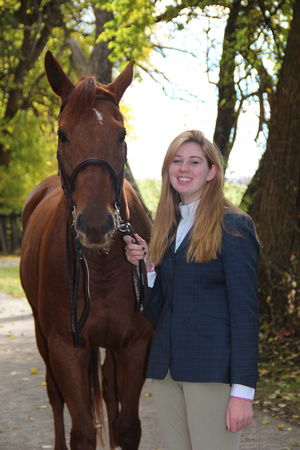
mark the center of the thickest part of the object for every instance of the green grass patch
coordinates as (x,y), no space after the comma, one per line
(10,281)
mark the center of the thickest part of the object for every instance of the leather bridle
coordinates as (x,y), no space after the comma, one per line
(140,282)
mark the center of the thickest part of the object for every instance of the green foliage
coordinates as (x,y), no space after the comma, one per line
(129,32)
(150,192)
(32,141)
(234,191)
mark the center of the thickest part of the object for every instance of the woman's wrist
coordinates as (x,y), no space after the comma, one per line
(150,267)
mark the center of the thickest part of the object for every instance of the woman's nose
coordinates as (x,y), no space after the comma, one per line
(184,167)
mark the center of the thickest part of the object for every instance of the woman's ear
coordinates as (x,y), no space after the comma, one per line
(211,173)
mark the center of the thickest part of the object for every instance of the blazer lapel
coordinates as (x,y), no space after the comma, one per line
(184,243)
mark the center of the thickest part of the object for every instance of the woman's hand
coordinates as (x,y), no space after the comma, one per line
(239,414)
(136,252)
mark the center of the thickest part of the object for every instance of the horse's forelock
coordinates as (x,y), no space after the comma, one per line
(82,99)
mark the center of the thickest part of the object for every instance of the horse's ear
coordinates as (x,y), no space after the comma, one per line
(57,78)
(121,83)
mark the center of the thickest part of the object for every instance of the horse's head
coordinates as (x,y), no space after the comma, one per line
(91,150)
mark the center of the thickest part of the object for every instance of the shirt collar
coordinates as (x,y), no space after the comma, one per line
(188,211)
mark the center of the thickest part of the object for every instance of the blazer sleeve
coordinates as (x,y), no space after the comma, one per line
(240,259)
(155,304)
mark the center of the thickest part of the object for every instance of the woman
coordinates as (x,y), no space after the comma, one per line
(203,301)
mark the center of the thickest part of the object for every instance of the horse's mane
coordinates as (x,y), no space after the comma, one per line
(82,98)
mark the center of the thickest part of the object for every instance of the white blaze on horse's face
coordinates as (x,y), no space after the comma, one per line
(99,116)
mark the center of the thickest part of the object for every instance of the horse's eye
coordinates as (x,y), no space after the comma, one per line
(122,136)
(62,136)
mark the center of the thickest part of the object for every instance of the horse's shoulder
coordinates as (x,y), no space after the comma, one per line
(39,193)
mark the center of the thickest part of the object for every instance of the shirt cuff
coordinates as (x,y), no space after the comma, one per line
(243,392)
(151,278)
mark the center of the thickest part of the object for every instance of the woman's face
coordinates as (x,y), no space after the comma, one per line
(189,172)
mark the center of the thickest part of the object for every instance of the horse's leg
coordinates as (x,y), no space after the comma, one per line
(110,394)
(70,369)
(130,379)
(55,398)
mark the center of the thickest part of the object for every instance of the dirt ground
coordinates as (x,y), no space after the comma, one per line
(25,416)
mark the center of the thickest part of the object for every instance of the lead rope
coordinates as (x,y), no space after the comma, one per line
(140,281)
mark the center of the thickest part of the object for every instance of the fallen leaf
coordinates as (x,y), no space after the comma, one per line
(266,422)
(148,394)
(42,407)
(280,426)
(34,371)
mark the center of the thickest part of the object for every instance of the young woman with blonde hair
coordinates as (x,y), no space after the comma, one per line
(203,301)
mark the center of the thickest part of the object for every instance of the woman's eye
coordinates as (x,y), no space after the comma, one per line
(62,136)
(195,162)
(176,160)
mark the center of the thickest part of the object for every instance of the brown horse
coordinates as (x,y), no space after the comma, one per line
(85,215)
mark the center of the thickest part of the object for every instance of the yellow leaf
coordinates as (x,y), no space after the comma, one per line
(266,422)
(34,371)
(280,426)
(148,394)
(44,383)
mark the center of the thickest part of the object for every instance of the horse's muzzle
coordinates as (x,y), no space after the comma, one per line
(94,235)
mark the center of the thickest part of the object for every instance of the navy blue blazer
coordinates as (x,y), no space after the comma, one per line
(206,316)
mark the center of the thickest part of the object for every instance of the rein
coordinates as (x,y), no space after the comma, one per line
(139,282)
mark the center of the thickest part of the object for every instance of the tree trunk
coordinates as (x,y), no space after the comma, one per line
(99,64)
(275,206)
(226,122)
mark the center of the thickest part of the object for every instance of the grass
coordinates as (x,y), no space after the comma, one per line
(9,277)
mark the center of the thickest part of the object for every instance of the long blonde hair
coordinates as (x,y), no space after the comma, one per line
(205,242)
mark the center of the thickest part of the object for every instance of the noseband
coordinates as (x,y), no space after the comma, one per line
(140,283)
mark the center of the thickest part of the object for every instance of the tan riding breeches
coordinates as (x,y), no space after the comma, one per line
(191,416)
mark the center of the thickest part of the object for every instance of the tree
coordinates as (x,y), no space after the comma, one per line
(275,203)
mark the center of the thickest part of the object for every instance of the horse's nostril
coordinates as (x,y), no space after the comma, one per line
(80,223)
(110,225)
